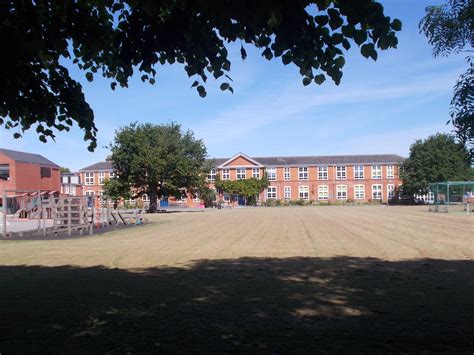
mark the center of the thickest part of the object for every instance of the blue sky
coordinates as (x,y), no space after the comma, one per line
(380,107)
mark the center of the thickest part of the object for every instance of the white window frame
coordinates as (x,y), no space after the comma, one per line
(256,173)
(89,193)
(271,174)
(341,172)
(89,179)
(341,192)
(287,192)
(390,172)
(323,173)
(272,193)
(303,192)
(358,172)
(377,194)
(111,174)
(240,173)
(303,173)
(212,175)
(359,192)
(390,191)
(101,177)
(145,198)
(287,174)
(376,172)
(323,192)
(225,174)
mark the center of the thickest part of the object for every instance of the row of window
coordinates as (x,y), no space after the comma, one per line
(341,192)
(90,180)
(303,173)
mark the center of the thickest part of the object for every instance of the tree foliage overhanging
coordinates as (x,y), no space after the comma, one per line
(159,160)
(116,190)
(450,29)
(438,158)
(116,39)
(248,188)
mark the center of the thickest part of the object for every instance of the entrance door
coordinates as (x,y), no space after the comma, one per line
(241,201)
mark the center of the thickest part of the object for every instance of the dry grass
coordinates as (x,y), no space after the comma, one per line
(300,279)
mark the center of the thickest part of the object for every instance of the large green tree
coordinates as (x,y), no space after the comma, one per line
(117,38)
(159,160)
(116,190)
(437,158)
(450,29)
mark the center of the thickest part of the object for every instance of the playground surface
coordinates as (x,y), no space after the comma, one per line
(289,279)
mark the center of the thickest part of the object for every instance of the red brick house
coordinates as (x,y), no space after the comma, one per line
(361,178)
(27,171)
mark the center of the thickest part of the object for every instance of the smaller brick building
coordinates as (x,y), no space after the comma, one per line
(27,171)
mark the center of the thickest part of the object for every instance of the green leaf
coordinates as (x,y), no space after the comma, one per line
(321,20)
(319,79)
(306,81)
(196,83)
(113,85)
(267,53)
(346,44)
(340,61)
(367,49)
(224,86)
(16,135)
(360,36)
(396,25)
(202,91)
(243,53)
(89,76)
(286,58)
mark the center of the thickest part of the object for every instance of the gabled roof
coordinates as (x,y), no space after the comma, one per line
(27,157)
(102,165)
(240,155)
(321,160)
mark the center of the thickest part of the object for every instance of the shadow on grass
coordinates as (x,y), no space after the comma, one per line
(303,305)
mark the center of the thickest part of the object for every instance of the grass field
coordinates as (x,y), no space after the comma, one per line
(293,279)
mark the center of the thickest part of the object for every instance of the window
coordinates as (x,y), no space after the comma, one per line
(101,177)
(111,174)
(101,196)
(323,191)
(271,192)
(45,172)
(390,172)
(376,171)
(377,192)
(359,192)
(341,191)
(90,193)
(286,174)
(358,172)
(89,179)
(287,191)
(390,191)
(145,198)
(341,173)
(226,197)
(240,173)
(212,175)
(225,174)
(271,174)
(256,173)
(323,173)
(303,192)
(4,172)
(303,173)
(196,197)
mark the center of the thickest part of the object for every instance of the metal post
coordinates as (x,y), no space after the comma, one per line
(4,213)
(68,215)
(447,195)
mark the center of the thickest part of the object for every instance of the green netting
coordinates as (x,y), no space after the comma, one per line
(453,193)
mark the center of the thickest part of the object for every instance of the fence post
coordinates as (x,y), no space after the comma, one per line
(4,213)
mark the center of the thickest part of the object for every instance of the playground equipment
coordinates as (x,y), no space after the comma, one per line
(45,212)
(453,196)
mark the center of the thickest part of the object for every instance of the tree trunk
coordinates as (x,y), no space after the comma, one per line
(153,194)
